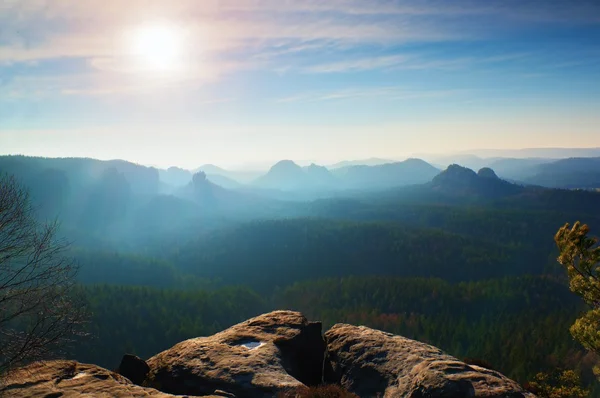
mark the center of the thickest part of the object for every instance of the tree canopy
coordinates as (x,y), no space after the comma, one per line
(580,255)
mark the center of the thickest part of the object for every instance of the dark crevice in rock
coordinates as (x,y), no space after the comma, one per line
(134,368)
(23,385)
(304,355)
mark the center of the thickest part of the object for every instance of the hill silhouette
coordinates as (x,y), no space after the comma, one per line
(461,181)
(408,172)
(285,175)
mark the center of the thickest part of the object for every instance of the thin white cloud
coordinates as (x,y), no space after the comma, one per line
(97,85)
(117,9)
(360,64)
(393,93)
(229,35)
(46,29)
(408,61)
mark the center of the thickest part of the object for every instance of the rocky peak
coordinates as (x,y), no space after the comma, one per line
(416,162)
(455,175)
(285,166)
(315,168)
(199,179)
(486,172)
(320,176)
(287,175)
(463,182)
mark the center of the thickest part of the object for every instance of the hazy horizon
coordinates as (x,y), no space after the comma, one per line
(245,83)
(443,157)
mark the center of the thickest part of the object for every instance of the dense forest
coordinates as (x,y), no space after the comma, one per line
(466,261)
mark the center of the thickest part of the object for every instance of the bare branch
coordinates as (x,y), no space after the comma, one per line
(38,311)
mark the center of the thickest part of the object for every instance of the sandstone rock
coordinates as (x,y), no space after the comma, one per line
(371,363)
(70,379)
(257,358)
(134,368)
(276,354)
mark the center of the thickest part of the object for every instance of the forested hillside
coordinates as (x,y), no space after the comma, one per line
(266,254)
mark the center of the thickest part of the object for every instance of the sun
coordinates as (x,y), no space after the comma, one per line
(157,47)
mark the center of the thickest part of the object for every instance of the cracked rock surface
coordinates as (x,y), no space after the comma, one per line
(373,363)
(66,379)
(260,357)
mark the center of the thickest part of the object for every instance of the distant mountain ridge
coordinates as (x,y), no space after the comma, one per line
(389,175)
(237,176)
(363,162)
(567,173)
(175,176)
(61,181)
(288,176)
(572,173)
(378,173)
(83,171)
(321,176)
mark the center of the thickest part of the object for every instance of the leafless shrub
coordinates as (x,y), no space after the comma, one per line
(38,313)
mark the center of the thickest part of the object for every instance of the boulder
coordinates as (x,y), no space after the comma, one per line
(372,363)
(70,379)
(134,368)
(257,358)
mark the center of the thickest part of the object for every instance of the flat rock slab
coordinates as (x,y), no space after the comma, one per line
(70,379)
(371,363)
(261,357)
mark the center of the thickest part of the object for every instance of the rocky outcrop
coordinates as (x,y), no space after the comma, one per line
(273,355)
(70,379)
(372,363)
(257,358)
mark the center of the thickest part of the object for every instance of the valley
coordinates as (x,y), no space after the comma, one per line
(459,259)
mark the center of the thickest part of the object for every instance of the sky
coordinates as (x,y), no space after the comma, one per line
(232,82)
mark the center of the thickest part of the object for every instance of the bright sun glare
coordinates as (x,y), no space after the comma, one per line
(158,47)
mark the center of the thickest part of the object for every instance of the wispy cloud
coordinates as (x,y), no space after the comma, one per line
(60,28)
(392,93)
(283,36)
(408,61)
(95,85)
(360,64)
(45,29)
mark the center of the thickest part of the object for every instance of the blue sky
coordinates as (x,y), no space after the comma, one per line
(254,81)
